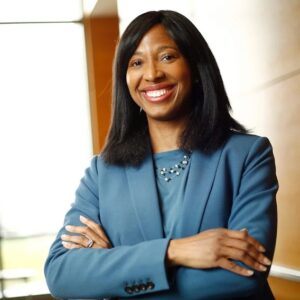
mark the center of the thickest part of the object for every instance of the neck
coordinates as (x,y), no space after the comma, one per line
(164,135)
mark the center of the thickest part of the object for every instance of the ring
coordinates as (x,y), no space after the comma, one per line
(90,243)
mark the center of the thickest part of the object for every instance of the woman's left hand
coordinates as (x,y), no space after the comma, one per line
(91,235)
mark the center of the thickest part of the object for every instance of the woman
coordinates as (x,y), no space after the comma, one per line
(181,202)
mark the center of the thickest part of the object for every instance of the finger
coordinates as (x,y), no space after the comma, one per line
(77,239)
(70,245)
(244,257)
(83,240)
(90,234)
(82,231)
(86,231)
(233,267)
(248,248)
(76,229)
(244,235)
(253,241)
(95,227)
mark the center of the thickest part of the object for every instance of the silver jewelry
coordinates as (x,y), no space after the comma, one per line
(167,174)
(90,243)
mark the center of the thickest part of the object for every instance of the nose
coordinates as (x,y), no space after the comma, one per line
(153,72)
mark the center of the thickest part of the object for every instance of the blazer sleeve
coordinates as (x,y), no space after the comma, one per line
(98,273)
(253,208)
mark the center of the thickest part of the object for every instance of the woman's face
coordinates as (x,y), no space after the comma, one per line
(159,77)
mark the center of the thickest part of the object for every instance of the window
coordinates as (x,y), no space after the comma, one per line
(45,139)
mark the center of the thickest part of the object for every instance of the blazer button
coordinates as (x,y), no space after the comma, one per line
(150,285)
(136,288)
(128,290)
(142,287)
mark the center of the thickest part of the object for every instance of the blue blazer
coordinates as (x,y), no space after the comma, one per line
(233,187)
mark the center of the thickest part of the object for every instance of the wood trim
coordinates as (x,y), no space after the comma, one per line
(284,289)
(285,273)
(102,34)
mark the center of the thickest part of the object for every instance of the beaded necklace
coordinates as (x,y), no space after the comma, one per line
(167,174)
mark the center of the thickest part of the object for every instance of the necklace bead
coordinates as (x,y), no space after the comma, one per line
(167,174)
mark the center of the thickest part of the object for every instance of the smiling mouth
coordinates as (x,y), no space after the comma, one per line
(158,95)
(155,94)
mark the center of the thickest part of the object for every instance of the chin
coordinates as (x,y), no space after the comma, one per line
(163,117)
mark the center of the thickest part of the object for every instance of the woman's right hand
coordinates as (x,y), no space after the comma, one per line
(218,248)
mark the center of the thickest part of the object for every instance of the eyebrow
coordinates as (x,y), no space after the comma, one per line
(159,49)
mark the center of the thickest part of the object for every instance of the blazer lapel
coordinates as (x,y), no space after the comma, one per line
(201,176)
(143,194)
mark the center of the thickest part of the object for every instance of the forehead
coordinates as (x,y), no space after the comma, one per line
(156,37)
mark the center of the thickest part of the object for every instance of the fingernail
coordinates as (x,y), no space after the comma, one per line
(68,227)
(262,268)
(64,243)
(83,219)
(250,272)
(267,261)
(261,249)
(63,236)
(244,229)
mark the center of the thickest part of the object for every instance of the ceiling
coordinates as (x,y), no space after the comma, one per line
(105,8)
(30,11)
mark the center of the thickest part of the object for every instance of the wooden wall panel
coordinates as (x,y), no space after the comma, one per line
(285,289)
(257,45)
(102,34)
(277,110)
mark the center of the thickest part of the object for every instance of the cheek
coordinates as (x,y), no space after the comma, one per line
(187,80)
(183,75)
(131,87)
(128,81)
(131,83)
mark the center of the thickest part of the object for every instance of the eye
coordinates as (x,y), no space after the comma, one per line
(168,57)
(135,63)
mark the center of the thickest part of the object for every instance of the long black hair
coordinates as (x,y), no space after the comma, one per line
(209,122)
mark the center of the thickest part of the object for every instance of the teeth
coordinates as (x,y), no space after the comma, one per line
(156,93)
